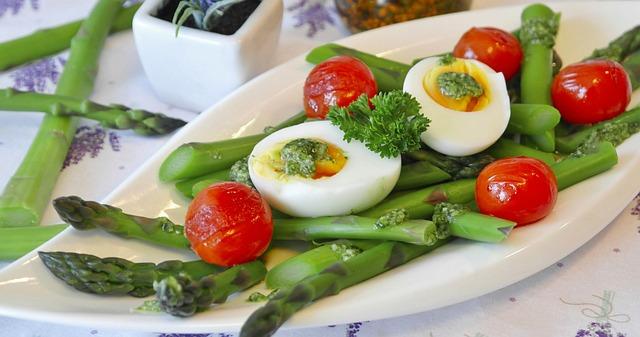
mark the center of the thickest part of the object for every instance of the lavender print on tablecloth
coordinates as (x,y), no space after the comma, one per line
(311,13)
(40,76)
(89,141)
(15,6)
(353,329)
(603,316)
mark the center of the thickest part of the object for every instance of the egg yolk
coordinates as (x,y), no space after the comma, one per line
(467,103)
(307,158)
(331,165)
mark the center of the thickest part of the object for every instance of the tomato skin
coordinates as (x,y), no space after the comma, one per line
(520,189)
(494,47)
(229,223)
(336,81)
(591,91)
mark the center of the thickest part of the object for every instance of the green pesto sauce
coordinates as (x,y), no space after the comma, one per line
(444,214)
(300,155)
(446,59)
(240,172)
(540,31)
(345,251)
(392,218)
(459,85)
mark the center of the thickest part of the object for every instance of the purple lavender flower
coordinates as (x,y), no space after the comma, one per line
(39,75)
(353,329)
(114,141)
(87,141)
(313,14)
(597,329)
(15,6)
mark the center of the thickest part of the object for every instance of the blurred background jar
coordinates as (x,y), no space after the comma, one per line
(362,15)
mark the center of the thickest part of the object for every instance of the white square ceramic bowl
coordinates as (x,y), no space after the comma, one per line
(197,68)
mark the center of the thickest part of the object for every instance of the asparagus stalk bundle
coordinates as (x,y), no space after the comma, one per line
(27,193)
(537,36)
(113,116)
(116,276)
(83,215)
(49,41)
(338,276)
(447,219)
(421,203)
(183,295)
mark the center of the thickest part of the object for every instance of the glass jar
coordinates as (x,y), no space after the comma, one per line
(362,15)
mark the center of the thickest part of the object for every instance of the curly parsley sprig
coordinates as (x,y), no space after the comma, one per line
(391,128)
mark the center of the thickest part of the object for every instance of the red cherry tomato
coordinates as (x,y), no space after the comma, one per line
(494,47)
(229,223)
(520,189)
(336,81)
(591,91)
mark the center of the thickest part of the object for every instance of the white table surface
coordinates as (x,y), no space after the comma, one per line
(592,292)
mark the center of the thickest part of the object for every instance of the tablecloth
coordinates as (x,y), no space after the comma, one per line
(592,292)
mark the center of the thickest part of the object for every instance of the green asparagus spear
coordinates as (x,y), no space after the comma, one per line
(632,65)
(537,36)
(28,191)
(183,295)
(116,276)
(618,49)
(420,174)
(49,41)
(313,261)
(614,130)
(532,119)
(187,187)
(416,231)
(18,241)
(577,168)
(420,204)
(84,215)
(463,223)
(447,218)
(341,275)
(457,167)
(196,159)
(113,116)
(505,148)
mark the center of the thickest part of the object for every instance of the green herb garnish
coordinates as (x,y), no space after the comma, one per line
(391,128)
(446,59)
(459,85)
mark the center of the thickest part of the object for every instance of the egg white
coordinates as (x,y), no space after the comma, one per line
(365,179)
(459,133)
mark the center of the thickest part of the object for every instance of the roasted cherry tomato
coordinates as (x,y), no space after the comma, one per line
(229,223)
(591,91)
(336,81)
(494,47)
(520,189)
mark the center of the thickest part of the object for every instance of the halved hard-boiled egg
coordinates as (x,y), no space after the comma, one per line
(308,170)
(466,101)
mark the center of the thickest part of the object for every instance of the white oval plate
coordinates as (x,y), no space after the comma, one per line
(454,273)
